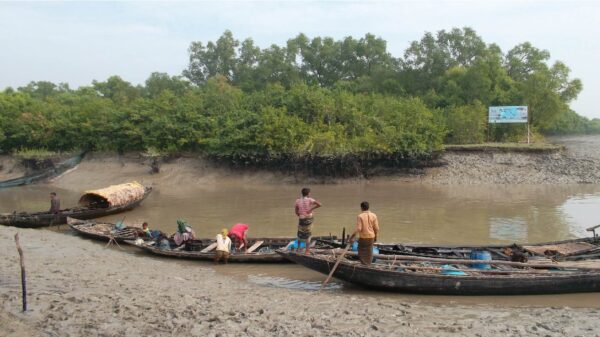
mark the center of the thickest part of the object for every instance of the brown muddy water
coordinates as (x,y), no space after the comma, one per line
(408,211)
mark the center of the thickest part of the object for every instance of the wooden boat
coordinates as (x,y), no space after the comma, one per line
(55,171)
(451,276)
(104,231)
(94,204)
(564,250)
(261,250)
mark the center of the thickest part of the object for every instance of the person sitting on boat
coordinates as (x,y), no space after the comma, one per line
(150,234)
(146,230)
(184,233)
(367,229)
(237,234)
(223,246)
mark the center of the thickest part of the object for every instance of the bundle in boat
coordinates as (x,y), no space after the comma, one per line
(115,195)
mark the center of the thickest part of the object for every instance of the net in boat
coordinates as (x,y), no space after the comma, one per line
(115,195)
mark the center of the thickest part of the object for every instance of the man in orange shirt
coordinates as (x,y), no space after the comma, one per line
(367,229)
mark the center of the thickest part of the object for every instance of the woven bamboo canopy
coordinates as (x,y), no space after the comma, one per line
(115,195)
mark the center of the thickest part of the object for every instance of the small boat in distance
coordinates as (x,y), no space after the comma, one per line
(52,172)
(93,204)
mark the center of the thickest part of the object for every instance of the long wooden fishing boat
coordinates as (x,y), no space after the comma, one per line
(93,204)
(55,171)
(104,231)
(564,250)
(260,250)
(415,274)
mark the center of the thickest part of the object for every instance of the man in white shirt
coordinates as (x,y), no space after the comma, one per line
(223,246)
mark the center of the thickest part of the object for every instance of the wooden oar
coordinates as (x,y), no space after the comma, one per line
(336,265)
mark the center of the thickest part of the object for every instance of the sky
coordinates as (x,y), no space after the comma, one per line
(78,42)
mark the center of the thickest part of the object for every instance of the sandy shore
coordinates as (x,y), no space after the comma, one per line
(79,288)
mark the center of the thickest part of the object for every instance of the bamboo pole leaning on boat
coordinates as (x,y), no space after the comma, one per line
(337,263)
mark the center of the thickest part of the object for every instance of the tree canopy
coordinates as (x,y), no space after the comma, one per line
(310,97)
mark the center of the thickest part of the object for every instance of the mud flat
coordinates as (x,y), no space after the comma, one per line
(577,163)
(79,288)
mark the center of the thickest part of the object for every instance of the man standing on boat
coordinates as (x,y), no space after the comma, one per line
(367,229)
(304,210)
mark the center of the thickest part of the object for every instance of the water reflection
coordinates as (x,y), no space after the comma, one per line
(503,229)
(581,212)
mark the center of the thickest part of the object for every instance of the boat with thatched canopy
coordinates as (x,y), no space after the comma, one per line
(92,204)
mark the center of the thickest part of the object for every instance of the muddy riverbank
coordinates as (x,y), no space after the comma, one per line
(79,288)
(578,163)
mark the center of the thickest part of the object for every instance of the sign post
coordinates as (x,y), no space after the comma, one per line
(509,114)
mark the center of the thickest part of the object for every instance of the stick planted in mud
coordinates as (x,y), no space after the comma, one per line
(23,280)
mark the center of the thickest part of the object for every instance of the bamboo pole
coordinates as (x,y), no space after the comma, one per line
(23,279)
(336,265)
(459,261)
(481,271)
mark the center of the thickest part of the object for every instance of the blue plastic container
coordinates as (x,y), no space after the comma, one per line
(450,270)
(482,255)
(295,245)
(375,251)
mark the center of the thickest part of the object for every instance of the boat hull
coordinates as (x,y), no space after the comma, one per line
(253,257)
(268,257)
(437,284)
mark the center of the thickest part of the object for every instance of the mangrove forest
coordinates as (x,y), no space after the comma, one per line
(342,101)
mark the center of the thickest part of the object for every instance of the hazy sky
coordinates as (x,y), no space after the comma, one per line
(77,42)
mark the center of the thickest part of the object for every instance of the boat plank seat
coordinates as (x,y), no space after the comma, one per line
(209,248)
(255,246)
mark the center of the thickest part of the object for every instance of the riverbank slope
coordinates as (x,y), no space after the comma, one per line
(578,163)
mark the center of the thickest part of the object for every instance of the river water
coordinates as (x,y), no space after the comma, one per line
(211,199)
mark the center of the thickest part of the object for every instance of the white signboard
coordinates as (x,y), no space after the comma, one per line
(507,114)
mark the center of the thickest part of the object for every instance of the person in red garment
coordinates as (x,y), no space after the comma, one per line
(237,234)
